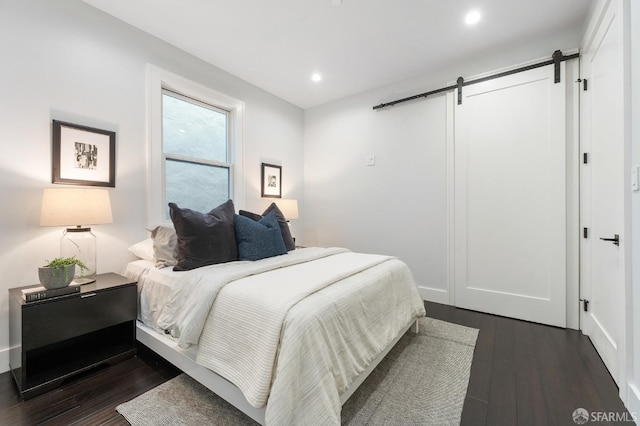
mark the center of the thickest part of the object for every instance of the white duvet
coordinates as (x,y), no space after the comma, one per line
(293,331)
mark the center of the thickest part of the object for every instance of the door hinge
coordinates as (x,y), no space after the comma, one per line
(585,158)
(585,305)
(584,83)
(585,232)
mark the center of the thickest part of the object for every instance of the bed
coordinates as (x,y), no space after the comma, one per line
(286,339)
(314,329)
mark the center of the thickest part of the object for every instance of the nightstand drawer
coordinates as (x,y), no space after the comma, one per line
(47,323)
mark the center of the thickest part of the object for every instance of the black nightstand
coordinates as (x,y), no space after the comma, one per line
(53,339)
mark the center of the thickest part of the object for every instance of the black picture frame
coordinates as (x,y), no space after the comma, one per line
(271,181)
(83,155)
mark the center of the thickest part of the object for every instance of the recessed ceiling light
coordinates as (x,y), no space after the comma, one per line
(472,17)
(336,2)
(316,77)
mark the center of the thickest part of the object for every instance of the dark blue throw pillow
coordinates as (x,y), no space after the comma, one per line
(258,239)
(289,243)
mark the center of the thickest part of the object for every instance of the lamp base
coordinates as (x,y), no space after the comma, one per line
(80,243)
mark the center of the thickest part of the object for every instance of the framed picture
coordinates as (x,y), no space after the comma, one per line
(83,155)
(271,181)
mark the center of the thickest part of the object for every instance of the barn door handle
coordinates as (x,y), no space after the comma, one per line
(615,240)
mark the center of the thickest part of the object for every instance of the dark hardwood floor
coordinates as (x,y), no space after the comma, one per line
(87,399)
(531,374)
(522,373)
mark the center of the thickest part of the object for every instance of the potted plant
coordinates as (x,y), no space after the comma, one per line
(59,272)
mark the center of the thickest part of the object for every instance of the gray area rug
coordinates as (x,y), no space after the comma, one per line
(423,380)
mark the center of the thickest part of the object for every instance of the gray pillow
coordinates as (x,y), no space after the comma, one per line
(204,238)
(258,239)
(165,245)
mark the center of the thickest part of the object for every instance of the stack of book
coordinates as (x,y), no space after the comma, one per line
(38,293)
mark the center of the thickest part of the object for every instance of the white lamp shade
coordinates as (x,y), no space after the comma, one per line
(75,207)
(289,208)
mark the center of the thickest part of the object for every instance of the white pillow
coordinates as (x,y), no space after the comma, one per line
(143,250)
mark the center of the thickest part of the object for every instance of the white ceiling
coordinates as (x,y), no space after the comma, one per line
(356,46)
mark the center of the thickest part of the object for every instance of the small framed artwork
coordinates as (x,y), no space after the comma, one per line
(83,155)
(271,181)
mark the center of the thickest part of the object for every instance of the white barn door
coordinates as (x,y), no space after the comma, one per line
(509,197)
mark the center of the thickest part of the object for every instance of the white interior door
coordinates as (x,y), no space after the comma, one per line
(602,192)
(509,159)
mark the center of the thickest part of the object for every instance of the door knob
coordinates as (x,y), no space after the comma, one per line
(615,240)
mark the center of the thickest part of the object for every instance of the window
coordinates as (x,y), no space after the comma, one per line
(194,146)
(195,149)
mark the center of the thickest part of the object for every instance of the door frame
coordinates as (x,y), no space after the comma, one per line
(625,342)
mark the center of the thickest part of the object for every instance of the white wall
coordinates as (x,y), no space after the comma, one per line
(400,205)
(390,207)
(65,60)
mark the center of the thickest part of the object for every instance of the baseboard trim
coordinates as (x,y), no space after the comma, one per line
(4,360)
(434,295)
(633,402)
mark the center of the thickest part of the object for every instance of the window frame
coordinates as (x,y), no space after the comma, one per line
(158,81)
(197,160)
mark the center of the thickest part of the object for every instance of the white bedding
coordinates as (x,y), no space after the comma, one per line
(293,338)
(179,302)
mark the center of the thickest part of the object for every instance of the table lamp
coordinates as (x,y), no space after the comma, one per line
(76,208)
(288,207)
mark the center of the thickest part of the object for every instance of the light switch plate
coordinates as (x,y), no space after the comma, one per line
(370,160)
